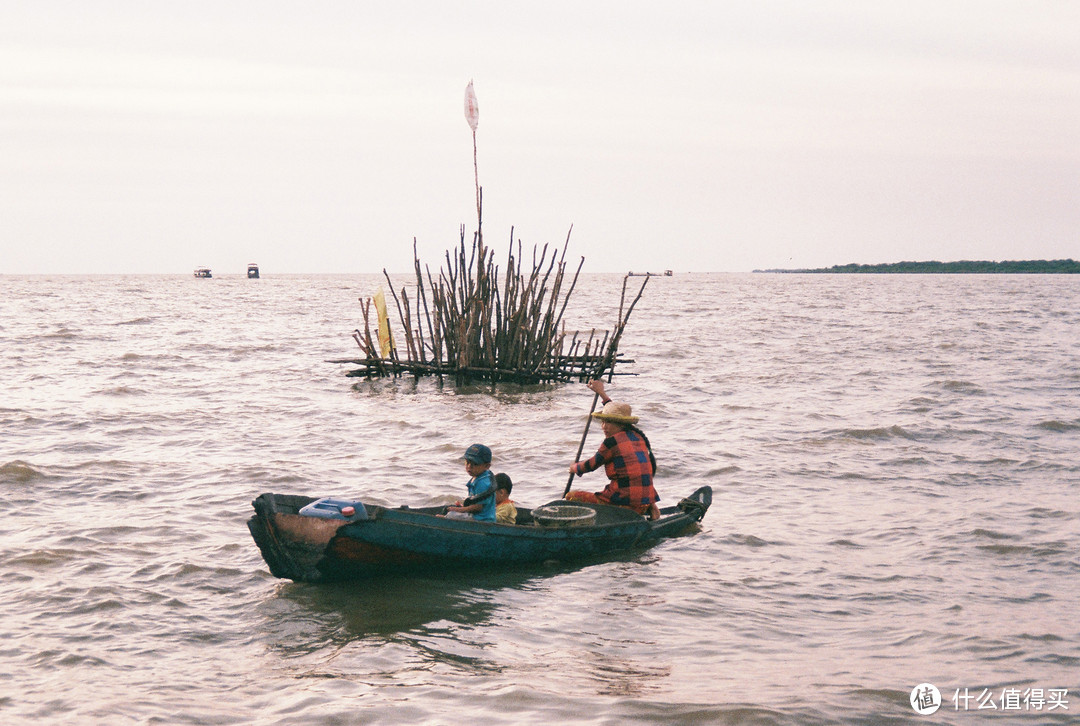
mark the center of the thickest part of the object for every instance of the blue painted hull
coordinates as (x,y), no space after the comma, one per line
(384,540)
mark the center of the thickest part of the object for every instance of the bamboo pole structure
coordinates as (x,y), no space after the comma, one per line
(487,324)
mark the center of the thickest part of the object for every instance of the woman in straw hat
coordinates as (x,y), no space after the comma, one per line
(626,457)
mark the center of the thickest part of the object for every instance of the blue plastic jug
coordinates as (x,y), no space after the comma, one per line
(331,508)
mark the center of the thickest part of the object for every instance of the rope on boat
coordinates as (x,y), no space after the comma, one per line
(692,508)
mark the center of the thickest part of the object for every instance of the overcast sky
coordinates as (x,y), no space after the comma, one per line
(154,137)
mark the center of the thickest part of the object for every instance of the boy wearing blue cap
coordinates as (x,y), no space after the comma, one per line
(480,504)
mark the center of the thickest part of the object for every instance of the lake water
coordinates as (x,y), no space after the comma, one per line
(895,463)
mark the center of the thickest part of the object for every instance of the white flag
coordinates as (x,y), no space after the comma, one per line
(472,108)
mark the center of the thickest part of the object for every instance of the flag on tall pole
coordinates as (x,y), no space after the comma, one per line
(472,115)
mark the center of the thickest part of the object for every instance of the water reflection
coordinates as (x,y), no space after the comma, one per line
(613,675)
(302,617)
(425,631)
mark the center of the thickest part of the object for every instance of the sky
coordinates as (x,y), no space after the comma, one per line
(326,136)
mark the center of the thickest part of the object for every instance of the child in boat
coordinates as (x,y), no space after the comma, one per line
(627,459)
(480,504)
(505,511)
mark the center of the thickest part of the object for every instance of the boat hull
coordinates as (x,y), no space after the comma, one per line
(312,549)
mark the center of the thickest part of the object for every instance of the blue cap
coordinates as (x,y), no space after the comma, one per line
(478,454)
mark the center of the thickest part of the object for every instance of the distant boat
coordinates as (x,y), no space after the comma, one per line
(253,271)
(202,272)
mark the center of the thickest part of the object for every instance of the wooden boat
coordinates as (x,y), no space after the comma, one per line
(317,540)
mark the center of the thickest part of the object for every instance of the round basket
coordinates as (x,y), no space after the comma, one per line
(564,515)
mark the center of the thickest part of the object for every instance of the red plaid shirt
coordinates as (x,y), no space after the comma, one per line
(626,461)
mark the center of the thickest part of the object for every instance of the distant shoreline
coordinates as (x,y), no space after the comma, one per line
(1026,267)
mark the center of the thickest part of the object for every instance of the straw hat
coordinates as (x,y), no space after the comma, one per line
(616,413)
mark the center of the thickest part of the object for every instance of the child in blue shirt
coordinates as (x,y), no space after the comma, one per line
(480,504)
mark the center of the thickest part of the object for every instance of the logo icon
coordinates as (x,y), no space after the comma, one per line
(925,699)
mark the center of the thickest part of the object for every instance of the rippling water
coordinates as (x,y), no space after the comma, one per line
(895,461)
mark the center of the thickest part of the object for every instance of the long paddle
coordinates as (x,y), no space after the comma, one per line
(581,446)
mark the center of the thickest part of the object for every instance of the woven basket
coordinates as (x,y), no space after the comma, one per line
(564,515)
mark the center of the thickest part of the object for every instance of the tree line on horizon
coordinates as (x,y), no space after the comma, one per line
(1068,266)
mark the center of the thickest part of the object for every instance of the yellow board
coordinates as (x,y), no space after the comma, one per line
(386,340)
